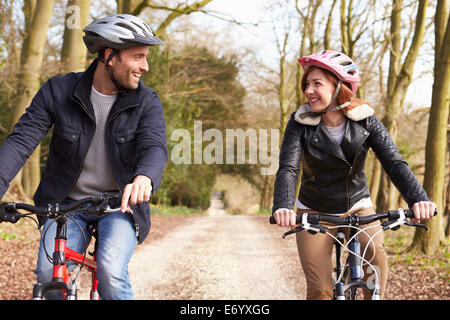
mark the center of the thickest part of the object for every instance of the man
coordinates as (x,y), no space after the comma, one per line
(108,135)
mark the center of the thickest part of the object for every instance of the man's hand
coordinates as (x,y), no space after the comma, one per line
(138,191)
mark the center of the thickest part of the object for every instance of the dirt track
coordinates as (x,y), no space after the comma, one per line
(218,257)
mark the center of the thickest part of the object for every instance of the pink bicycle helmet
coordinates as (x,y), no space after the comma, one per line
(336,62)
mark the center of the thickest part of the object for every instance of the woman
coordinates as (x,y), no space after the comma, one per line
(331,135)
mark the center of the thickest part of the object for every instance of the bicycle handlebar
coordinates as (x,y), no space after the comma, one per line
(100,204)
(395,218)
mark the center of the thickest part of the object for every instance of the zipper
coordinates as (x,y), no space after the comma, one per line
(348,177)
(80,102)
(349,172)
(348,193)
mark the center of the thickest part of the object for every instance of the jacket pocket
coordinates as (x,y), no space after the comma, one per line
(127,146)
(64,141)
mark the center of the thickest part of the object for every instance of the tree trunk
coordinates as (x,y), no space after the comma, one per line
(446,210)
(31,62)
(399,79)
(428,242)
(327,32)
(73,53)
(282,89)
(125,6)
(343,23)
(307,32)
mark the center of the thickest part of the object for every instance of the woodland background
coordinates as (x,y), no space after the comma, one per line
(200,74)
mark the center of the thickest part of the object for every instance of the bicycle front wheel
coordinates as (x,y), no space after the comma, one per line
(352,293)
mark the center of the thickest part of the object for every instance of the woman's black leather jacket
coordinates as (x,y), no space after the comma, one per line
(333,178)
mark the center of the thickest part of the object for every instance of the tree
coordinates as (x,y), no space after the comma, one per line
(73,52)
(307,25)
(37,22)
(399,79)
(436,145)
(327,32)
(285,92)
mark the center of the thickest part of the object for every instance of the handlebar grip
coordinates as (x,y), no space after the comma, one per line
(11,217)
(298,219)
(410,213)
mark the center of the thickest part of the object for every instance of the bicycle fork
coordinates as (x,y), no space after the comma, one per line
(94,289)
(354,267)
(60,276)
(61,279)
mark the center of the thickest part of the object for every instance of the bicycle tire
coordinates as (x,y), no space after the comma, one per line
(353,292)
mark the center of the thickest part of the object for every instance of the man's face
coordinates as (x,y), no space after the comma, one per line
(129,66)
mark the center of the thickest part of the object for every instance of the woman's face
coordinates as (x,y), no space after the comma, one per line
(318,90)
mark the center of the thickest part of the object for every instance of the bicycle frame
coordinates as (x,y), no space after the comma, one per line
(60,278)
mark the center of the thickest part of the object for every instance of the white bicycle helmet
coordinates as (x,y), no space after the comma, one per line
(118,32)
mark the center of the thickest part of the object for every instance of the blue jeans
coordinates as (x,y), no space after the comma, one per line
(116,243)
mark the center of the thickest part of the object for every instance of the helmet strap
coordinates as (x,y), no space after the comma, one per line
(110,71)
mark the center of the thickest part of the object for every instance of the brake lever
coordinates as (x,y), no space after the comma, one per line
(109,209)
(415,224)
(298,229)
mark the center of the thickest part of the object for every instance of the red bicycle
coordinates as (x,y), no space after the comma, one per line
(61,278)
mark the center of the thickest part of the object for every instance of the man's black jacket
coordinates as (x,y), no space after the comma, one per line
(135,139)
(333,178)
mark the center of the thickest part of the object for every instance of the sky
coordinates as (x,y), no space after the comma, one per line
(261,37)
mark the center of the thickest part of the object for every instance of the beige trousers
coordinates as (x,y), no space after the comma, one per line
(316,251)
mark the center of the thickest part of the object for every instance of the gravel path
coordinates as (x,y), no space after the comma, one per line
(219,257)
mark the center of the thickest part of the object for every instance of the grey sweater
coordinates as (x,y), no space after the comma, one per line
(96,176)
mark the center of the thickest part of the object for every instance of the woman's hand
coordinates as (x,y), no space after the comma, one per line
(285,217)
(423,210)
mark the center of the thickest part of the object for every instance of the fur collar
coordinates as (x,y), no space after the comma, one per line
(356,113)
